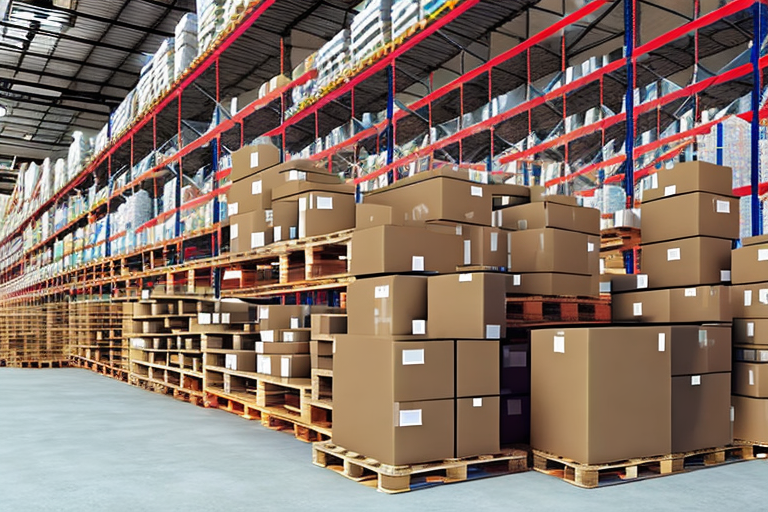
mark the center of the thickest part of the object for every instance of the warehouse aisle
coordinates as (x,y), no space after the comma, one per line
(71,440)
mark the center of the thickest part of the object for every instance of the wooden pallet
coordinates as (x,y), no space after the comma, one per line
(321,379)
(43,364)
(590,476)
(396,479)
(758,450)
(553,310)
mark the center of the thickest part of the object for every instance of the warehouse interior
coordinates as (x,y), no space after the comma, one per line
(383,245)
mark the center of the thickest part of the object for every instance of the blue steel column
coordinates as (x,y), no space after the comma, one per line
(216,214)
(629,140)
(390,115)
(720,137)
(758,35)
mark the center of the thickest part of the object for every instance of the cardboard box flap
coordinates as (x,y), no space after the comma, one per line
(295,188)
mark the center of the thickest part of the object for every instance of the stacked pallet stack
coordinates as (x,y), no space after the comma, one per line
(321,348)
(283,349)
(185,43)
(371,29)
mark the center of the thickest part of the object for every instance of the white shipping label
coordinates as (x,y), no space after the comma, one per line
(590,247)
(723,207)
(381,292)
(514,407)
(287,336)
(662,342)
(324,203)
(477,402)
(690,292)
(465,278)
(263,312)
(673,254)
(494,242)
(233,274)
(419,327)
(266,365)
(459,230)
(703,337)
(417,264)
(750,329)
(695,380)
(254,160)
(642,281)
(670,190)
(492,332)
(256,188)
(516,280)
(277,233)
(637,309)
(204,318)
(294,322)
(476,191)
(655,181)
(216,318)
(751,377)
(725,276)
(257,240)
(559,345)
(268,336)
(234,231)
(467,252)
(259,347)
(412,357)
(410,418)
(762,254)
(732,414)
(747,297)
(230,361)
(762,295)
(522,224)
(302,204)
(144,294)
(232,209)
(285,366)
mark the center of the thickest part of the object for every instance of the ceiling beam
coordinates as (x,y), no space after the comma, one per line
(171,6)
(34,99)
(49,144)
(54,58)
(116,22)
(61,77)
(33,31)
(7,83)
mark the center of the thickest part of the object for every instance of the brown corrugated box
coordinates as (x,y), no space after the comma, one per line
(696,176)
(284,335)
(750,422)
(600,395)
(240,360)
(751,331)
(285,219)
(240,229)
(750,379)
(471,306)
(321,213)
(276,316)
(477,426)
(701,412)
(754,240)
(326,326)
(484,246)
(750,264)
(688,262)
(369,215)
(396,249)
(674,305)
(428,197)
(387,306)
(551,284)
(322,354)
(265,347)
(307,170)
(697,349)
(254,192)
(292,189)
(749,300)
(627,283)
(477,368)
(252,159)
(539,194)
(505,194)
(549,250)
(687,215)
(551,215)
(370,420)
(284,365)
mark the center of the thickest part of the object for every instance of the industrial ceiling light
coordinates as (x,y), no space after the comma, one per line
(3,111)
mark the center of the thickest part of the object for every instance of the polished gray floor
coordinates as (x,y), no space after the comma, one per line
(71,440)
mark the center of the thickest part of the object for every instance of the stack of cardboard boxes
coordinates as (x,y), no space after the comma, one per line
(283,349)
(750,340)
(325,328)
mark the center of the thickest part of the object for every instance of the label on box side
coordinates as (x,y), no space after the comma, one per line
(516,279)
(256,188)
(747,297)
(492,332)
(514,407)
(602,266)
(732,414)
(522,224)
(413,356)
(654,181)
(381,292)
(467,252)
(559,345)
(234,231)
(204,318)
(590,247)
(465,278)
(459,230)
(324,203)
(751,377)
(642,281)
(690,292)
(277,233)
(232,209)
(215,318)
(333,349)
(494,242)
(294,322)
(703,337)
(410,418)
(295,175)
(762,295)
(230,361)
(263,312)
(259,347)
(695,380)
(477,402)
(285,366)
(670,190)
(254,160)
(725,276)
(302,204)
(417,264)
(266,365)
(673,254)
(476,191)
(637,309)
(144,294)
(762,254)
(496,219)
(268,336)
(750,329)
(287,336)
(662,341)
(419,327)
(257,240)
(723,207)
(232,274)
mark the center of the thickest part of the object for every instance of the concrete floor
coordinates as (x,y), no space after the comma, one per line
(71,440)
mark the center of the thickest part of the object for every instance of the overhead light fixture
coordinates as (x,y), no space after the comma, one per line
(27,136)
(3,111)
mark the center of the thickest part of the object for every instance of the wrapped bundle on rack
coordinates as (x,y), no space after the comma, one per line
(78,152)
(163,67)
(371,29)
(333,58)
(122,116)
(102,138)
(232,8)
(430,7)
(405,14)
(211,21)
(145,89)
(186,43)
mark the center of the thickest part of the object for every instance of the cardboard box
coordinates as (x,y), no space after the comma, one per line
(600,395)
(695,176)
(284,365)
(371,215)
(252,159)
(549,250)
(240,360)
(321,213)
(322,354)
(551,215)
(688,262)
(277,316)
(430,197)
(477,368)
(750,300)
(387,306)
(477,426)
(539,194)
(694,214)
(507,194)
(750,331)
(515,369)
(370,420)
(293,189)
(299,347)
(628,282)
(546,283)
(514,420)
(676,305)
(467,306)
(749,264)
(307,170)
(754,240)
(697,349)
(326,326)
(701,412)
(250,230)
(397,249)
(750,379)
(750,419)
(285,220)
